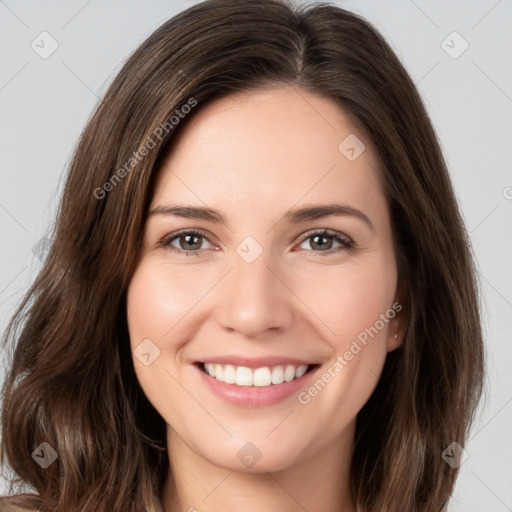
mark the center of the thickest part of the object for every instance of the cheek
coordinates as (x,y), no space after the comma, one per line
(157,300)
(154,309)
(355,312)
(348,300)
(341,301)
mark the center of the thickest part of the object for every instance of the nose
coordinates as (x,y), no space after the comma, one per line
(255,298)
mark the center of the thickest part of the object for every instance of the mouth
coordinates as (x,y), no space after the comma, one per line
(255,381)
(261,377)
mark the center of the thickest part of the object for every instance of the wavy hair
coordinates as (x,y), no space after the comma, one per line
(70,379)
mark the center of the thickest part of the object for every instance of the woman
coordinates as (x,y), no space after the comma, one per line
(186,347)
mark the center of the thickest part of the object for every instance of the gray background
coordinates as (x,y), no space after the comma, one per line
(45,103)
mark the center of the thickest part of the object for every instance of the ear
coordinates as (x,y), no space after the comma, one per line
(397,326)
(394,341)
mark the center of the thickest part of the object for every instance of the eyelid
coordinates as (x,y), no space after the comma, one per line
(326,232)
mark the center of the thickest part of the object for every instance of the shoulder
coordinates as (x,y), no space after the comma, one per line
(19,503)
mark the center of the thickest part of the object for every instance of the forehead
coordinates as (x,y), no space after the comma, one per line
(268,150)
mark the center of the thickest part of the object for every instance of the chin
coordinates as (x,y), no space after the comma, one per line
(255,456)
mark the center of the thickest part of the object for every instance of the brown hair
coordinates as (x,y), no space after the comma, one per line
(71,382)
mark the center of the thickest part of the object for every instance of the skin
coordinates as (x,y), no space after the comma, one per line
(253,157)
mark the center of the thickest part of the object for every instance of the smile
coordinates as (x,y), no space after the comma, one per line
(254,382)
(258,377)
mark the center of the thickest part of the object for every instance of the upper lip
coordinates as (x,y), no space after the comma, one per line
(255,362)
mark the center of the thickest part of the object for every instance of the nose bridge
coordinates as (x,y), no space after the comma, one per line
(255,299)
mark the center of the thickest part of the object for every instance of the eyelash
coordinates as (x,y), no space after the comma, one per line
(345,241)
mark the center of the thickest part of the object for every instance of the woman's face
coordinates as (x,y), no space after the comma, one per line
(262,292)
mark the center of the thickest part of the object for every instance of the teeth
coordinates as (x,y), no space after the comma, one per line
(289,373)
(219,370)
(259,377)
(300,371)
(277,375)
(229,374)
(243,376)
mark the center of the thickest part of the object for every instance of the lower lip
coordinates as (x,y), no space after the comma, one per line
(254,396)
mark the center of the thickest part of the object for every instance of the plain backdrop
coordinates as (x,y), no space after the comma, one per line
(464,77)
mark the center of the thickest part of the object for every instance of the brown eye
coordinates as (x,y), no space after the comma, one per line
(189,241)
(322,241)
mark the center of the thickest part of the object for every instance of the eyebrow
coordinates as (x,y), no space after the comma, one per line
(292,216)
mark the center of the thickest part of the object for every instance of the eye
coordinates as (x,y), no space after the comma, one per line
(189,241)
(324,240)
